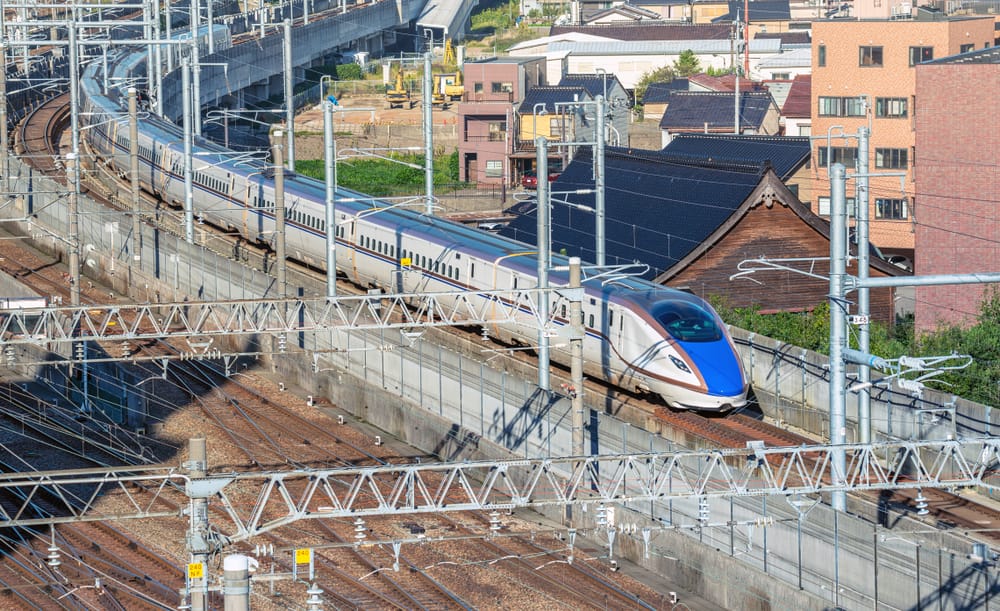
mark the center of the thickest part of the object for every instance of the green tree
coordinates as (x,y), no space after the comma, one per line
(687,64)
(659,75)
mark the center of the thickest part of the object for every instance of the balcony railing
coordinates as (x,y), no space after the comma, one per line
(503,97)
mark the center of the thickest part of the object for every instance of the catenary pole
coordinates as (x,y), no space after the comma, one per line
(838,270)
(330,149)
(544,250)
(428,134)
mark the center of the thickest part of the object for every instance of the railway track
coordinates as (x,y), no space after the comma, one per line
(37,137)
(733,431)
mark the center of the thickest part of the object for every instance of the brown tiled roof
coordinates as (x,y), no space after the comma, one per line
(798,102)
(726,82)
(647,31)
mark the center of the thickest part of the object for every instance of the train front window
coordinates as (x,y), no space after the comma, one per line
(688,322)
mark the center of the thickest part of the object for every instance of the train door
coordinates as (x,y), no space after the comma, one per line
(160,177)
(350,231)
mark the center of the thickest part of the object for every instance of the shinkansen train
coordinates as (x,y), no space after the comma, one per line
(639,335)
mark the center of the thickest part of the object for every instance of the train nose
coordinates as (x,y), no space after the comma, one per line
(720,368)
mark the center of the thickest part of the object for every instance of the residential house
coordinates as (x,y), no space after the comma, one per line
(766,16)
(864,73)
(556,61)
(560,114)
(619,108)
(724,82)
(630,60)
(688,221)
(715,112)
(493,88)
(956,182)
(787,65)
(796,112)
(657,97)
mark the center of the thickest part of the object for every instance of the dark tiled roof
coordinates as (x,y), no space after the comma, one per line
(644,30)
(695,109)
(658,93)
(760,10)
(658,208)
(550,96)
(798,103)
(786,38)
(593,83)
(784,154)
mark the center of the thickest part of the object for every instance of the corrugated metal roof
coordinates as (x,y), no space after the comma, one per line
(661,47)
(785,154)
(795,58)
(549,96)
(658,207)
(644,30)
(696,109)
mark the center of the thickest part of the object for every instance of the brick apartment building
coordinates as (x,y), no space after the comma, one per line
(493,88)
(876,59)
(957,185)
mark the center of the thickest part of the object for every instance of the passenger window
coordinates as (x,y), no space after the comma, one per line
(562,311)
(590,321)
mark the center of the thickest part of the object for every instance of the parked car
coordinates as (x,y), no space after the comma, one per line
(529,180)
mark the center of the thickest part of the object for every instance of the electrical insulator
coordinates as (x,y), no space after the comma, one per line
(703,513)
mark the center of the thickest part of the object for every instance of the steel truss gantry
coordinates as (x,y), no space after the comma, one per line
(257,502)
(256,317)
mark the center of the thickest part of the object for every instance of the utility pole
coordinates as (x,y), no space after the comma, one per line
(599,182)
(429,134)
(198,528)
(861,199)
(576,358)
(196,64)
(289,94)
(330,148)
(188,170)
(544,252)
(135,249)
(838,271)
(736,72)
(279,215)
(4,144)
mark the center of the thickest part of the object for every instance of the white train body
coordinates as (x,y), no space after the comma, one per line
(638,335)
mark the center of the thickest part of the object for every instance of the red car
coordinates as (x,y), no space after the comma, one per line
(529,180)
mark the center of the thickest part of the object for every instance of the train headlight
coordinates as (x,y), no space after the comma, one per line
(680,364)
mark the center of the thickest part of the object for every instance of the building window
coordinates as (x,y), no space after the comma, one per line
(847,155)
(494,169)
(921,54)
(894,108)
(966,48)
(894,159)
(841,107)
(477,88)
(498,131)
(890,209)
(824,206)
(821,55)
(781,76)
(502,87)
(870,57)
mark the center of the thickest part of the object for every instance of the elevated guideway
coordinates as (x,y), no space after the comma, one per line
(446,18)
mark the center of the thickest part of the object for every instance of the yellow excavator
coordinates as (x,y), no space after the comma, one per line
(453,87)
(398,96)
(438,98)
